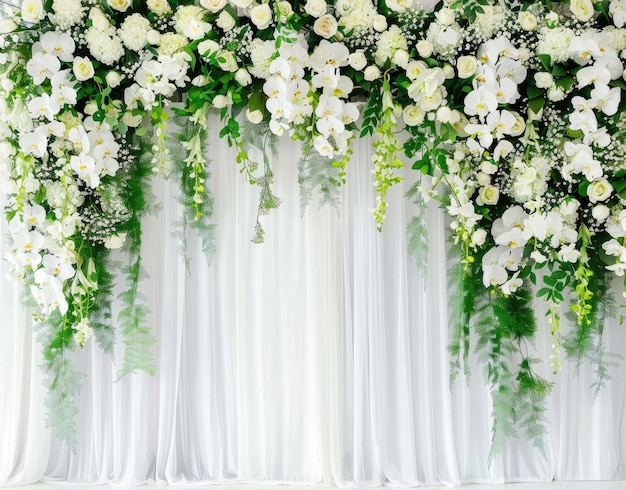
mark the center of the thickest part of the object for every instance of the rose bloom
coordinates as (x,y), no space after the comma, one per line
(98,19)
(285,9)
(489,195)
(357,60)
(466,66)
(213,5)
(225,21)
(159,7)
(315,8)
(242,4)
(380,23)
(582,9)
(83,69)
(255,117)
(424,48)
(227,61)
(243,77)
(119,5)
(599,190)
(527,20)
(371,73)
(32,10)
(325,26)
(600,212)
(413,115)
(261,16)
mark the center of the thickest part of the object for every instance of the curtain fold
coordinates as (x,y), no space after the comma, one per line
(319,356)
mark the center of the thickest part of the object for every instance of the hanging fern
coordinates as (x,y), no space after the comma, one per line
(318,173)
(61,378)
(187,151)
(416,230)
(136,335)
(265,142)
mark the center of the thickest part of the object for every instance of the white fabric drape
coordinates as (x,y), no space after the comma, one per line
(318,356)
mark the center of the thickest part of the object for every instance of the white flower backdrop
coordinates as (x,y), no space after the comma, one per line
(320,355)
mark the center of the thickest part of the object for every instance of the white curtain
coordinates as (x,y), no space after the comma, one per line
(318,356)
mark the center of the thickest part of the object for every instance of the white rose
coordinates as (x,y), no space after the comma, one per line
(315,8)
(32,10)
(483,179)
(380,23)
(448,71)
(227,61)
(153,36)
(208,47)
(7,85)
(91,108)
(242,4)
(445,16)
(523,54)
(519,127)
(555,94)
(401,58)
(552,19)
(7,26)
(372,72)
(599,190)
(255,117)
(600,212)
(113,78)
(285,9)
(444,114)
(243,77)
(261,16)
(357,60)
(582,9)
(488,168)
(489,195)
(83,68)
(413,115)
(478,237)
(98,19)
(221,101)
(213,5)
(466,66)
(159,7)
(119,5)
(325,26)
(114,241)
(131,120)
(200,81)
(543,79)
(424,48)
(225,21)
(399,5)
(527,21)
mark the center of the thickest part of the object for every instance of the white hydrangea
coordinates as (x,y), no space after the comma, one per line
(188,21)
(105,46)
(530,180)
(356,14)
(390,41)
(134,32)
(67,13)
(64,197)
(555,43)
(170,43)
(488,23)
(445,39)
(261,57)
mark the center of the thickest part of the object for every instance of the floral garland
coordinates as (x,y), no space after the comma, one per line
(513,113)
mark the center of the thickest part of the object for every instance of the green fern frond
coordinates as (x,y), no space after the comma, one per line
(417,232)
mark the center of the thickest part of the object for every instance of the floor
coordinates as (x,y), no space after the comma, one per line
(560,485)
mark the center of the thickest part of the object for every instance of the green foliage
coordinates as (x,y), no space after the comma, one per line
(585,339)
(61,377)
(138,340)
(265,143)
(317,172)
(502,324)
(417,232)
(190,169)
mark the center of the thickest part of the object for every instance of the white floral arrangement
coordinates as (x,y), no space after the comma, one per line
(512,112)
